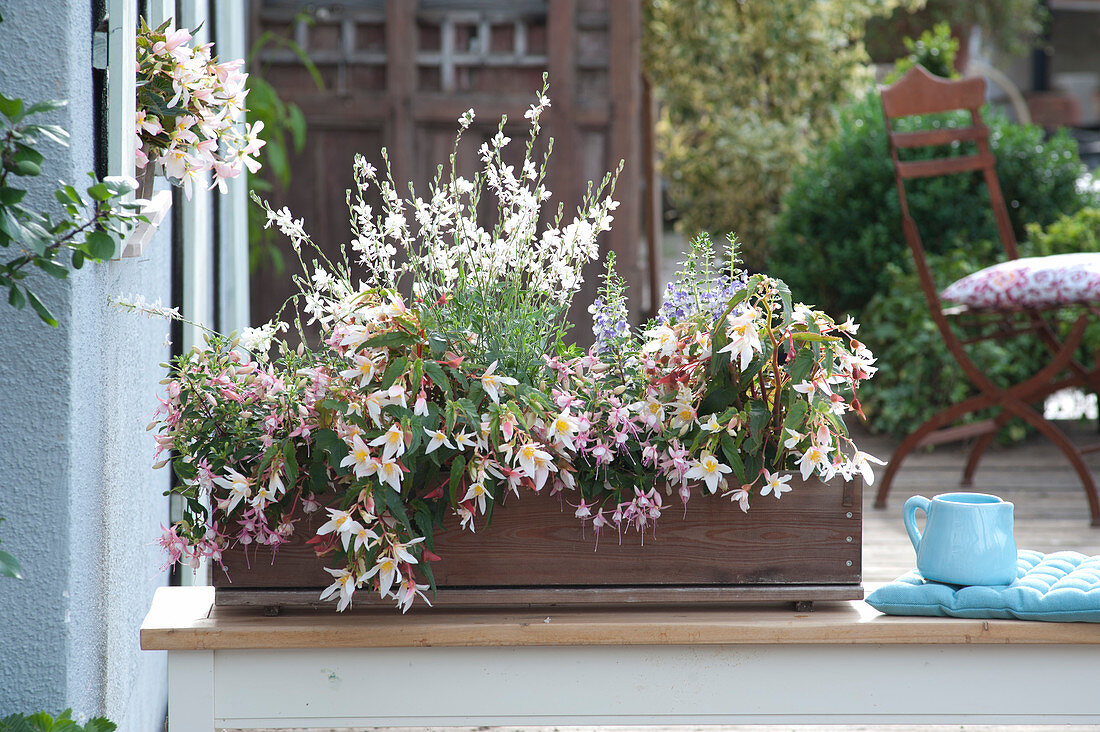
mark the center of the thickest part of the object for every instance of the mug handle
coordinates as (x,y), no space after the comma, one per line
(909,517)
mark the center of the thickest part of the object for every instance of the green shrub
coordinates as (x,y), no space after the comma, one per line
(935,50)
(917,376)
(1079,232)
(746,90)
(42,722)
(841,222)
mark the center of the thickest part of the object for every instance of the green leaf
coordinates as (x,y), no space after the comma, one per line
(12,226)
(733,457)
(100,724)
(43,312)
(296,122)
(185,471)
(52,268)
(16,298)
(26,168)
(72,195)
(391,339)
(331,443)
(802,366)
(11,108)
(99,245)
(277,162)
(9,566)
(11,196)
(56,133)
(25,153)
(458,467)
(99,192)
(435,373)
(718,399)
(118,185)
(318,477)
(393,371)
(814,337)
(396,504)
(424,522)
(795,415)
(47,106)
(426,567)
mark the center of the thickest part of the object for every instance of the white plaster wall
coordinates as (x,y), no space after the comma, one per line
(82,505)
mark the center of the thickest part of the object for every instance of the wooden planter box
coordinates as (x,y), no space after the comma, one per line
(803,547)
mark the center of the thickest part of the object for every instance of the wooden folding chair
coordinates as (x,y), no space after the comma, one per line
(920,93)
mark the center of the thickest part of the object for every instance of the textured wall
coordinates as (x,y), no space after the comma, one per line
(82,506)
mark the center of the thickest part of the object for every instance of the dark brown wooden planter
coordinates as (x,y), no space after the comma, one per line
(801,548)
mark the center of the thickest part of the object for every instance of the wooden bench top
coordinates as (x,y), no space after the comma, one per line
(185,618)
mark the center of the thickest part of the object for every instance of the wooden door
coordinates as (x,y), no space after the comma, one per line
(399,73)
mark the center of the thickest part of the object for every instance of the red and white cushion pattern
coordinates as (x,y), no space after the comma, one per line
(1033,282)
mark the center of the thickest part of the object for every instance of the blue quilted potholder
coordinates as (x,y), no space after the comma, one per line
(1060,587)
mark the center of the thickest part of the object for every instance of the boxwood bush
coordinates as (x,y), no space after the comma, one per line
(840,225)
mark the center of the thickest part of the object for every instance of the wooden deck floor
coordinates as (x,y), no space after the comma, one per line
(1051,514)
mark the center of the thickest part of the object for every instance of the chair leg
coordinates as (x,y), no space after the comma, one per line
(980,446)
(1072,454)
(911,442)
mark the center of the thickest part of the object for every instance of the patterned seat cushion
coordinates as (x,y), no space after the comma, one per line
(1032,282)
(1064,586)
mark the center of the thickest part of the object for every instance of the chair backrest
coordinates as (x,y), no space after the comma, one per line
(919,92)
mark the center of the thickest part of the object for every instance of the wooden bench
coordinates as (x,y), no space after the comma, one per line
(842,664)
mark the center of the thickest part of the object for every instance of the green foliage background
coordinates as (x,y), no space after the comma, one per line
(747,90)
(840,226)
(917,376)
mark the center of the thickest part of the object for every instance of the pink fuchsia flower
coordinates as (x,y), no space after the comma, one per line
(508,425)
(173,545)
(222,173)
(420,407)
(598,522)
(685,495)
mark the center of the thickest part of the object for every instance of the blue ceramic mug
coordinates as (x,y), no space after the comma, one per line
(967,538)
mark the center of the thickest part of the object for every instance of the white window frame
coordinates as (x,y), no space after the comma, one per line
(121,111)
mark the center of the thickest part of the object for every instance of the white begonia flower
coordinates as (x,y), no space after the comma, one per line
(775,484)
(709,470)
(344,584)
